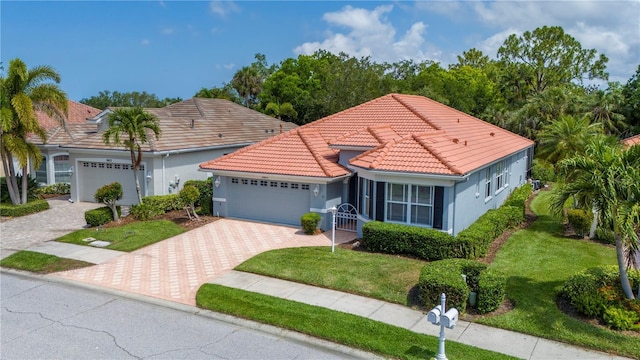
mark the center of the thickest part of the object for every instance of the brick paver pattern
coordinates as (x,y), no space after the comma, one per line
(175,268)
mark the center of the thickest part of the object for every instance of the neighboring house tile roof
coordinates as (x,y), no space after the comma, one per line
(401,133)
(77,113)
(630,141)
(190,124)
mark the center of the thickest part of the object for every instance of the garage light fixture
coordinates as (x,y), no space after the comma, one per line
(217,182)
(316,190)
(149,176)
(70,170)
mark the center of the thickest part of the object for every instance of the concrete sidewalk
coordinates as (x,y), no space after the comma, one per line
(485,337)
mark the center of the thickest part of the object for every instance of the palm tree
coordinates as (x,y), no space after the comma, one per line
(23,92)
(565,138)
(248,83)
(607,177)
(131,128)
(605,107)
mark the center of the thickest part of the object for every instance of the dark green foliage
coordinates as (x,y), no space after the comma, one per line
(620,319)
(595,292)
(543,171)
(31,207)
(479,236)
(32,187)
(605,236)
(310,222)
(519,196)
(109,193)
(107,98)
(154,206)
(397,239)
(99,216)
(189,194)
(491,291)
(579,220)
(55,189)
(205,200)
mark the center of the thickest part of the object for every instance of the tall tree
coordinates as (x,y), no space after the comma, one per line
(631,107)
(607,178)
(248,83)
(548,57)
(24,91)
(605,107)
(143,99)
(565,138)
(473,58)
(131,128)
(226,92)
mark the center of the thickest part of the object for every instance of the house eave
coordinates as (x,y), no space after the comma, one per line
(276,177)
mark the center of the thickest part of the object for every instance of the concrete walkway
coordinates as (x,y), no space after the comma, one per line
(502,341)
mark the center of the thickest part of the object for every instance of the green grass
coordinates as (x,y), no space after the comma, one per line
(342,328)
(40,263)
(538,260)
(384,277)
(128,237)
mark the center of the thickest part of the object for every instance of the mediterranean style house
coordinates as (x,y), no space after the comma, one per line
(193,131)
(400,158)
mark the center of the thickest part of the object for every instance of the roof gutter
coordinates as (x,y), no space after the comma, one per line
(277,177)
(413,175)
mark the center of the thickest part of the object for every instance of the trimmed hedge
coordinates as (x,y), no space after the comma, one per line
(30,207)
(99,216)
(579,220)
(309,222)
(445,276)
(397,239)
(55,189)
(205,201)
(431,244)
(153,206)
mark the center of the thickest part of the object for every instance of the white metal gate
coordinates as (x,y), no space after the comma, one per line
(347,218)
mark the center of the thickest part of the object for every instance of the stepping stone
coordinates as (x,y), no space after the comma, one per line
(100,243)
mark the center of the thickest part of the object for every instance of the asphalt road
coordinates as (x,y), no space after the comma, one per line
(50,320)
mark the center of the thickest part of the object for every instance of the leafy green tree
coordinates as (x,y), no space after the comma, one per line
(24,91)
(473,58)
(189,195)
(548,57)
(470,90)
(109,195)
(565,138)
(607,178)
(281,111)
(143,99)
(131,128)
(226,92)
(631,106)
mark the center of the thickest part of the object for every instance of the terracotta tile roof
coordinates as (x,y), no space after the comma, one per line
(405,133)
(195,123)
(630,141)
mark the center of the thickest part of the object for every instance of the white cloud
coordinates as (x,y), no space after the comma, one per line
(168,31)
(229,66)
(145,42)
(222,8)
(369,33)
(490,45)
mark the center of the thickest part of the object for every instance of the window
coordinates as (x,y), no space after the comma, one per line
(263,183)
(254,182)
(487,186)
(41,172)
(366,197)
(234,180)
(284,185)
(61,169)
(294,186)
(305,186)
(478,185)
(412,204)
(245,182)
(274,184)
(499,176)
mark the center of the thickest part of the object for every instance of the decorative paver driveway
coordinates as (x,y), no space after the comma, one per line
(175,268)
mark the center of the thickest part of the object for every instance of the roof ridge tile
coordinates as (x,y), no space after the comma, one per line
(307,142)
(436,154)
(417,113)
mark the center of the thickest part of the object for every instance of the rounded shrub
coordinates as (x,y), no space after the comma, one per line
(579,220)
(491,291)
(620,319)
(309,222)
(99,216)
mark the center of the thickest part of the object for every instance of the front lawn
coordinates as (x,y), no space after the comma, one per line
(536,260)
(385,277)
(40,263)
(127,237)
(338,327)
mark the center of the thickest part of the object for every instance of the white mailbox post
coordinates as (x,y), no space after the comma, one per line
(448,319)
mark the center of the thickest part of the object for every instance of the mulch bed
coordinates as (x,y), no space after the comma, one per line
(178,217)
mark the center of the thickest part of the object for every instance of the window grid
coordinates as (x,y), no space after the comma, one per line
(487,191)
(305,186)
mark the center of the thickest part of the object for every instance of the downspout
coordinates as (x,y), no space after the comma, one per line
(164,187)
(453,218)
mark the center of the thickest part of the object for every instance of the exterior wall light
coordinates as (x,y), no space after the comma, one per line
(149,176)
(217,181)
(316,190)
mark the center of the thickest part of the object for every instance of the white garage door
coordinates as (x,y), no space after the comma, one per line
(93,175)
(270,201)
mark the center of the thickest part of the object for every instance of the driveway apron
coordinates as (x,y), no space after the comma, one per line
(175,268)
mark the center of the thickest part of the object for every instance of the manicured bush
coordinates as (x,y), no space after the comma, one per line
(398,239)
(519,196)
(189,195)
(153,206)
(579,220)
(445,276)
(30,207)
(543,171)
(99,216)
(205,200)
(55,189)
(478,237)
(605,236)
(620,319)
(491,291)
(309,222)
(109,194)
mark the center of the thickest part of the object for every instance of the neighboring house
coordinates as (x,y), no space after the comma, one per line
(55,163)
(193,131)
(630,141)
(399,158)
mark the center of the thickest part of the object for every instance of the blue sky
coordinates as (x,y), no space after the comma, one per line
(174,48)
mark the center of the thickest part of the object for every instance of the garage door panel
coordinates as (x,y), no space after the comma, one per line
(270,201)
(93,175)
